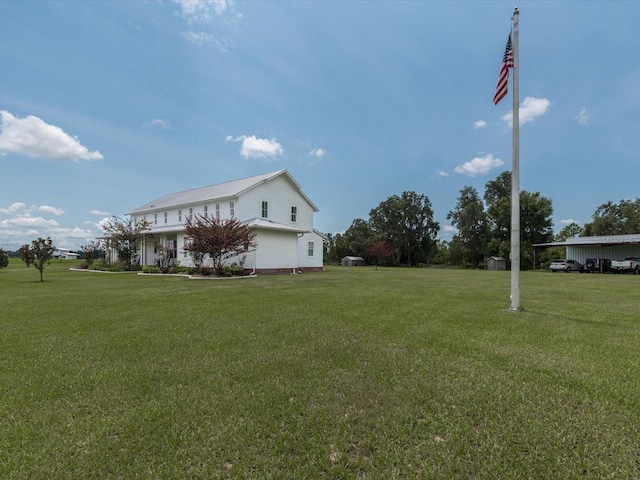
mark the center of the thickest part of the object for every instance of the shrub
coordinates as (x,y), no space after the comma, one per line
(233,270)
(4,258)
(150,269)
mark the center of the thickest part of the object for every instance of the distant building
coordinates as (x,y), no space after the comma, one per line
(613,247)
(65,254)
(496,263)
(349,261)
(272,204)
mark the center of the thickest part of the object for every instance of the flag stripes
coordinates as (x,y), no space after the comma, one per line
(503,78)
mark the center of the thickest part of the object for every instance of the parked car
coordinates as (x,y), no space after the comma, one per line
(628,265)
(592,265)
(564,265)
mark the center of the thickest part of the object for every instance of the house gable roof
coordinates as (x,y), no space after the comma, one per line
(218,191)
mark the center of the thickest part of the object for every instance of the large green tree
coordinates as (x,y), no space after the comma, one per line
(470,218)
(610,218)
(39,253)
(406,223)
(536,225)
(355,240)
(572,230)
(124,235)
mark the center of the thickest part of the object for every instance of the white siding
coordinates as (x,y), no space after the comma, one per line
(281,195)
(617,252)
(304,260)
(276,249)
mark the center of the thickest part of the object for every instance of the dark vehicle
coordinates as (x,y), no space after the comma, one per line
(592,265)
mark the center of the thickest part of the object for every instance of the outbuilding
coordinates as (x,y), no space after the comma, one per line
(496,263)
(349,261)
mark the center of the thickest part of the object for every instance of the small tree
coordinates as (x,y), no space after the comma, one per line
(125,236)
(4,258)
(90,252)
(379,250)
(221,239)
(39,253)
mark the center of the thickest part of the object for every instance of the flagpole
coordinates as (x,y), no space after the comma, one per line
(515,175)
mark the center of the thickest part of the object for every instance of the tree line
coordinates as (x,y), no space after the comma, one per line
(405,225)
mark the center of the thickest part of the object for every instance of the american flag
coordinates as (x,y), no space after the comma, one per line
(503,78)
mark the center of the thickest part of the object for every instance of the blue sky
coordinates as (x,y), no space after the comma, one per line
(107,105)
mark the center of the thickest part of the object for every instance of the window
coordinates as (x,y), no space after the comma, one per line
(294,214)
(310,249)
(265,209)
(206,211)
(185,244)
(155,218)
(190,213)
(217,210)
(232,209)
(180,216)
(166,217)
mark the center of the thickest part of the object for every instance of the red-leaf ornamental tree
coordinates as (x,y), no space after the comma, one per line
(221,239)
(379,250)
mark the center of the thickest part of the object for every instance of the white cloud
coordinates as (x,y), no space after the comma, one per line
(569,221)
(479,124)
(530,109)
(33,137)
(27,220)
(449,230)
(253,147)
(479,165)
(13,208)
(202,11)
(318,152)
(104,222)
(50,210)
(442,173)
(99,212)
(583,117)
(158,122)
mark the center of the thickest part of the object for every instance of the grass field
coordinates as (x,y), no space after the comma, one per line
(353,373)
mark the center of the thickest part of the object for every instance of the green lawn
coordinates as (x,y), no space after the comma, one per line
(351,373)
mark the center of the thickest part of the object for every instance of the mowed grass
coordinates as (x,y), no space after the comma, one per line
(352,373)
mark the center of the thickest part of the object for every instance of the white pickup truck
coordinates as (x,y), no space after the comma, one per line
(628,265)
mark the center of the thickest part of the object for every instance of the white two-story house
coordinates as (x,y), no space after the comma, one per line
(273,204)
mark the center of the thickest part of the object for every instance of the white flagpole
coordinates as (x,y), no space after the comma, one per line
(515,176)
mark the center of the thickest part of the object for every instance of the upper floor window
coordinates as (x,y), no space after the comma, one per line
(155,218)
(180,216)
(190,213)
(166,217)
(265,209)
(217,210)
(310,249)
(206,211)
(232,209)
(294,214)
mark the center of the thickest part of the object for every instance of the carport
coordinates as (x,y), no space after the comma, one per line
(613,247)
